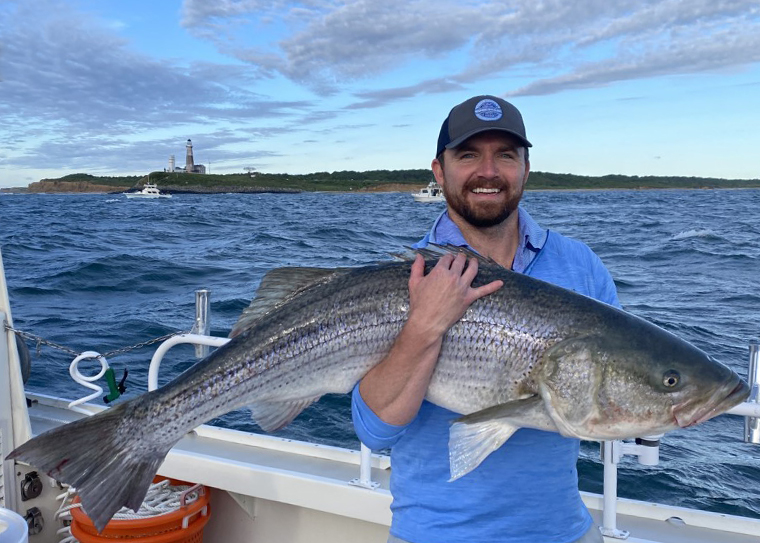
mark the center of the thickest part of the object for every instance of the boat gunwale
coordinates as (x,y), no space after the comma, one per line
(318,477)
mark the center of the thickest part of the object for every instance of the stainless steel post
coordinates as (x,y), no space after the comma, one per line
(202,319)
(752,424)
(612,451)
(609,511)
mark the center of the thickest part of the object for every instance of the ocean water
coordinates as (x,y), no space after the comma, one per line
(100,272)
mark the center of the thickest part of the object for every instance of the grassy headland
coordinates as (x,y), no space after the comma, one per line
(375,180)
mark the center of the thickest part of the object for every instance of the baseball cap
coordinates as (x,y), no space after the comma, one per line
(479,114)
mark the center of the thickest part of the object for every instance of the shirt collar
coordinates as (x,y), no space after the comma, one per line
(531,233)
(532,236)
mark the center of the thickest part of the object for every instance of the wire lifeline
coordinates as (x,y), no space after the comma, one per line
(110,354)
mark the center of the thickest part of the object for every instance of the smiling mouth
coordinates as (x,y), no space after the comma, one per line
(485,191)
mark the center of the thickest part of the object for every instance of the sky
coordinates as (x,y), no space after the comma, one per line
(107,87)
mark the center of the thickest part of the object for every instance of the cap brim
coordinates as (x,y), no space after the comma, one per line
(457,142)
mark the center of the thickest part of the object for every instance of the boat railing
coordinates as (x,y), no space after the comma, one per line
(752,420)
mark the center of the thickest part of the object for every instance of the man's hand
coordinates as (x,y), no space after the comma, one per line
(440,298)
(394,389)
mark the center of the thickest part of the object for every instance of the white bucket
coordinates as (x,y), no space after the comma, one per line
(13,527)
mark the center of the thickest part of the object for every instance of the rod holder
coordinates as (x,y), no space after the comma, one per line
(365,471)
(647,449)
(202,324)
(752,424)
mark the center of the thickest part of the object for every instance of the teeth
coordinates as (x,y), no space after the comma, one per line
(486,191)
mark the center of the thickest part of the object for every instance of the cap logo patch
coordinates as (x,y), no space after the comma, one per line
(488,110)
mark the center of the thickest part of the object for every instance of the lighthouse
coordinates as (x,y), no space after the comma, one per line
(189,164)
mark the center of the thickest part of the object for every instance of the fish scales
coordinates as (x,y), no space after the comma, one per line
(325,329)
(322,332)
(529,355)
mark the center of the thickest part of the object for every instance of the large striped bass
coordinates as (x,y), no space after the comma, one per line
(530,355)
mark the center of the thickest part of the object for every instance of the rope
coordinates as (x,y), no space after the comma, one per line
(162,498)
(63,514)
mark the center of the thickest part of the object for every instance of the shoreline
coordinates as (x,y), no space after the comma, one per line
(373,190)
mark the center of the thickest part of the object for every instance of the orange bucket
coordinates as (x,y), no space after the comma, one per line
(185,525)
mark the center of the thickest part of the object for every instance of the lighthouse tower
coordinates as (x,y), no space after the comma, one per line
(189,164)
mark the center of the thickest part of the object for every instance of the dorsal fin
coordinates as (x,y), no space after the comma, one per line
(434,251)
(278,286)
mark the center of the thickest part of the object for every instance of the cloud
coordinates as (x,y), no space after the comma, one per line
(330,43)
(65,70)
(73,90)
(703,51)
(374,99)
(326,46)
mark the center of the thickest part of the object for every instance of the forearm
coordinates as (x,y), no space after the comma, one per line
(394,389)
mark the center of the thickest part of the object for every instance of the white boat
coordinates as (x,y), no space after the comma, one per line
(266,488)
(148,191)
(432,193)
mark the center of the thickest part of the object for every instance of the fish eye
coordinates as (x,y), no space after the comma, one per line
(670,378)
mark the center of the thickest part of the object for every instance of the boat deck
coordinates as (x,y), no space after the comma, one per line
(284,490)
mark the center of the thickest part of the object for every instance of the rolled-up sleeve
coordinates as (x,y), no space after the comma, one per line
(371,429)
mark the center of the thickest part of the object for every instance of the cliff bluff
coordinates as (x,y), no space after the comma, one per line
(58,186)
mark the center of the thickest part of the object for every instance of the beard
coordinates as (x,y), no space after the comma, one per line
(482,215)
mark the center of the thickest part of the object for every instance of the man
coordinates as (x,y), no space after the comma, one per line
(527,490)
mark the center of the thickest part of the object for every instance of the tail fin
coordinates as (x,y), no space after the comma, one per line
(109,465)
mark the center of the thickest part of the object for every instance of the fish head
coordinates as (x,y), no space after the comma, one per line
(647,381)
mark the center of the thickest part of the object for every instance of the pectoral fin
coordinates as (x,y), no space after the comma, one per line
(272,416)
(473,437)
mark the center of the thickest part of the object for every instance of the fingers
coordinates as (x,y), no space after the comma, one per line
(457,263)
(471,271)
(485,290)
(418,269)
(478,292)
(440,298)
(459,266)
(453,272)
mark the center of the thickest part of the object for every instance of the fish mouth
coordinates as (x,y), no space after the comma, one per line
(693,412)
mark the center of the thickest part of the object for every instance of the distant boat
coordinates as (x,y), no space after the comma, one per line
(432,193)
(148,191)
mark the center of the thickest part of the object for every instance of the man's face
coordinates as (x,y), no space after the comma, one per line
(483,179)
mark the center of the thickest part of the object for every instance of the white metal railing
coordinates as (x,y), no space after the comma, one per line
(196,339)
(752,422)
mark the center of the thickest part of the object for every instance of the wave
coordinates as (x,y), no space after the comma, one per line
(689,234)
